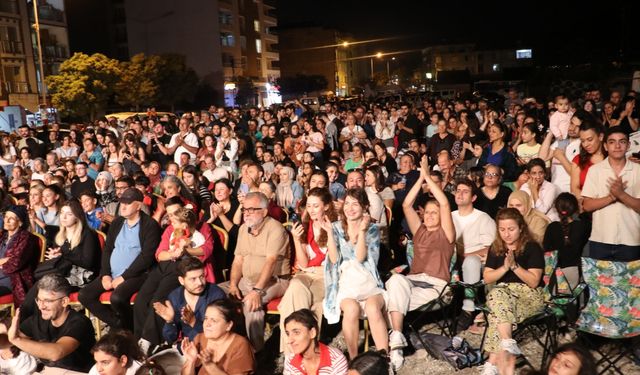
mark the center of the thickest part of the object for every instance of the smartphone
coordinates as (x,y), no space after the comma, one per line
(636,155)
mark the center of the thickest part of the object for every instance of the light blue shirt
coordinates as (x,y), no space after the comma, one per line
(126,249)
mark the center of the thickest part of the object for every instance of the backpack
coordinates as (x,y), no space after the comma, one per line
(457,351)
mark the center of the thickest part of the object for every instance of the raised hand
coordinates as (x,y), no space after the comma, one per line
(164,310)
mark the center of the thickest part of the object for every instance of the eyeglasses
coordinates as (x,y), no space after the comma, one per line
(491,174)
(251,210)
(47,301)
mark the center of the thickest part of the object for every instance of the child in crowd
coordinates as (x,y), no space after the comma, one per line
(560,120)
(529,146)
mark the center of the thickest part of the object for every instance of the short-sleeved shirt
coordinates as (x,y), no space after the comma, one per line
(190,140)
(432,253)
(532,257)
(76,326)
(237,359)
(615,224)
(271,240)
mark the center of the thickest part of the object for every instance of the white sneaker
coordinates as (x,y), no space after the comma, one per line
(489,369)
(396,357)
(144,345)
(511,346)
(397,340)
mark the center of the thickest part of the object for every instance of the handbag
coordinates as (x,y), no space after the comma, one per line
(49,266)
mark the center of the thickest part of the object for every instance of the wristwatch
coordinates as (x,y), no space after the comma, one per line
(261,292)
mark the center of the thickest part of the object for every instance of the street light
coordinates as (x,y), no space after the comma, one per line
(43,92)
(378,55)
(388,72)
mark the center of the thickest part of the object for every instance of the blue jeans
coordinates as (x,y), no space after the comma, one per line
(618,253)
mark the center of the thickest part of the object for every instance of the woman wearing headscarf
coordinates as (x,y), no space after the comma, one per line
(19,254)
(537,222)
(105,189)
(289,192)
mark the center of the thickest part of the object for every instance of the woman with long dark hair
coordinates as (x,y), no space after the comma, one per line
(116,353)
(568,236)
(309,355)
(591,152)
(306,289)
(497,152)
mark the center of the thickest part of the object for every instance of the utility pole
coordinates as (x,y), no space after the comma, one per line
(43,91)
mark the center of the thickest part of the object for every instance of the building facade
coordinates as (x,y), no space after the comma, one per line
(222,41)
(325,52)
(479,62)
(19,70)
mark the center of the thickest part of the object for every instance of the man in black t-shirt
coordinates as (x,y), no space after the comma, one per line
(58,336)
(82,182)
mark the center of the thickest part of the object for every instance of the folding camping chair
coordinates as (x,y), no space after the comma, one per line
(612,312)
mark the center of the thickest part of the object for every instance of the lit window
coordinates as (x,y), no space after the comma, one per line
(256,26)
(496,67)
(258,46)
(226,39)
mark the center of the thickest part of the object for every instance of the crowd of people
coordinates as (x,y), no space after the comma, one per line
(179,231)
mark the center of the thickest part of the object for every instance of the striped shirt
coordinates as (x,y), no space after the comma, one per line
(332,362)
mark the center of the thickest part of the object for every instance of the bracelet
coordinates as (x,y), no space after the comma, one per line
(261,292)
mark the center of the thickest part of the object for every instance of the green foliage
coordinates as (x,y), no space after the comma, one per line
(138,83)
(84,84)
(177,83)
(246,93)
(301,84)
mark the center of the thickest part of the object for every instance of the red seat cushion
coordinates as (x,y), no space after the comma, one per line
(106,297)
(73,297)
(6,299)
(272,306)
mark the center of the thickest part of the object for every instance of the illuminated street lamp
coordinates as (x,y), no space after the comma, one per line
(378,55)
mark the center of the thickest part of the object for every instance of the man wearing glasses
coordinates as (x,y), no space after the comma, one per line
(612,192)
(260,271)
(58,336)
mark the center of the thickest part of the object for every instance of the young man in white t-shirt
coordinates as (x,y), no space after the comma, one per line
(475,231)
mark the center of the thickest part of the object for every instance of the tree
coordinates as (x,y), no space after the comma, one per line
(177,83)
(138,83)
(84,84)
(301,84)
(246,91)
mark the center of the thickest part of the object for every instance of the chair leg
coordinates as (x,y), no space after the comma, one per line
(366,335)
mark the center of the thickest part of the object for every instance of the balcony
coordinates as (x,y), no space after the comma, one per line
(55,52)
(11,47)
(46,12)
(15,87)
(9,6)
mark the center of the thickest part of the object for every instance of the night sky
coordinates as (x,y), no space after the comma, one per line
(558,31)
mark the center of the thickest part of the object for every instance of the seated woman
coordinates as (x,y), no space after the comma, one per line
(568,236)
(222,211)
(352,282)
(117,353)
(514,263)
(434,238)
(19,254)
(179,239)
(77,252)
(218,350)
(105,189)
(542,192)
(310,356)
(537,222)
(492,195)
(306,289)
(47,219)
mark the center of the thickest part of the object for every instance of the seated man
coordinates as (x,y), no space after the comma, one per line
(260,271)
(184,310)
(58,336)
(475,231)
(127,257)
